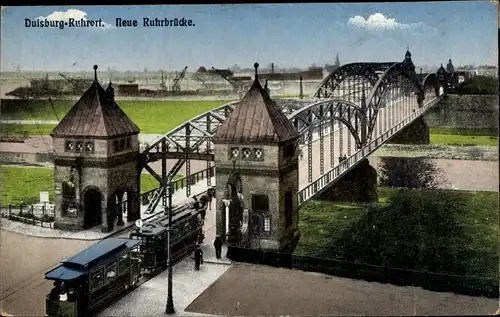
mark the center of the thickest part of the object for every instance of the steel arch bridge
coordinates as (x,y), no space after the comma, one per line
(354,111)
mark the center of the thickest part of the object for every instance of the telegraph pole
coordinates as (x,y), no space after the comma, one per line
(170,302)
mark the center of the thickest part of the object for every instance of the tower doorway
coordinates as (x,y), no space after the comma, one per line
(92,204)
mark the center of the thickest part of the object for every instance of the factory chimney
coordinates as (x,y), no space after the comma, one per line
(272,68)
(301,94)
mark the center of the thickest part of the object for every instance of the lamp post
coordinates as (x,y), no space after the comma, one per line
(170,302)
(227,202)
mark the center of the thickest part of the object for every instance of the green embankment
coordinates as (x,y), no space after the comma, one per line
(23,184)
(150,116)
(452,232)
(456,136)
(162,116)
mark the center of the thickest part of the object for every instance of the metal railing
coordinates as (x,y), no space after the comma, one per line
(345,166)
(177,184)
(27,214)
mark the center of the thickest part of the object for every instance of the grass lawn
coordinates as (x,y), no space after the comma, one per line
(454,232)
(150,116)
(20,129)
(25,183)
(162,116)
(488,137)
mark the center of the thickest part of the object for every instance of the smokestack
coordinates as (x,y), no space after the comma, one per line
(272,68)
(301,95)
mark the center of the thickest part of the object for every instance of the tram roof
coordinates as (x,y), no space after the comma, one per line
(63,273)
(100,250)
(158,226)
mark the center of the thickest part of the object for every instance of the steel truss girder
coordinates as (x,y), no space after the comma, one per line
(367,70)
(318,114)
(393,79)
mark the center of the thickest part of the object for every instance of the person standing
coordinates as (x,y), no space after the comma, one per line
(198,258)
(218,247)
(196,204)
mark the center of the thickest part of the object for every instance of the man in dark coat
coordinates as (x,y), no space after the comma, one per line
(198,258)
(218,247)
(196,203)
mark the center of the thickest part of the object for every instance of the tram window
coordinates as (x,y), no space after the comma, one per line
(111,271)
(97,279)
(124,264)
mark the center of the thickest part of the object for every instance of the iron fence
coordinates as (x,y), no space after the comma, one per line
(43,216)
(441,282)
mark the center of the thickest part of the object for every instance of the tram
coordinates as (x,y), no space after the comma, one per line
(187,232)
(93,278)
(98,275)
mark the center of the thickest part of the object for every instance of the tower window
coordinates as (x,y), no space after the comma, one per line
(289,151)
(128,143)
(247,153)
(260,203)
(79,146)
(89,147)
(235,152)
(122,144)
(258,154)
(70,145)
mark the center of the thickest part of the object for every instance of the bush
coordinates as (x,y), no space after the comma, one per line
(409,173)
(479,85)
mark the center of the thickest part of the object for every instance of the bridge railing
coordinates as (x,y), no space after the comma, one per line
(177,184)
(345,166)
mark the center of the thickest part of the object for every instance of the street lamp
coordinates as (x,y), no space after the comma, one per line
(168,192)
(227,202)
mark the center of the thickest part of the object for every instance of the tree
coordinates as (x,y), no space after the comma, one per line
(415,172)
(479,85)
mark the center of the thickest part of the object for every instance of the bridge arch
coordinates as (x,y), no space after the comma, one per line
(397,84)
(313,117)
(358,72)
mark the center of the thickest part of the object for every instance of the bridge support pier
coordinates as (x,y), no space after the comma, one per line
(416,132)
(359,185)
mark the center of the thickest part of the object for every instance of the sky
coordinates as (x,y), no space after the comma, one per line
(290,35)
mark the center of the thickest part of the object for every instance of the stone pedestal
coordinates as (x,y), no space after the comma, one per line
(359,185)
(416,132)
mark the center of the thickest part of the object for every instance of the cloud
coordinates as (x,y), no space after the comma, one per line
(379,22)
(71,13)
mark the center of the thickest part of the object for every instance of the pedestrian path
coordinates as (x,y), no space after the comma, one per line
(178,199)
(187,284)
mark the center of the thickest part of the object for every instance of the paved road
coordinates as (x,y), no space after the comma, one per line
(23,287)
(255,290)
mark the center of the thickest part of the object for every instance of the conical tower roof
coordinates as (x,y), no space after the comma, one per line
(256,119)
(95,115)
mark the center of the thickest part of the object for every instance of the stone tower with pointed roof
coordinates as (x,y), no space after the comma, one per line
(258,146)
(95,168)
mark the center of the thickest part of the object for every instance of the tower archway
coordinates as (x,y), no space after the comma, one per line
(92,206)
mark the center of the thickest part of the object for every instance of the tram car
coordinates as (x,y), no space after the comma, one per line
(187,232)
(93,278)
